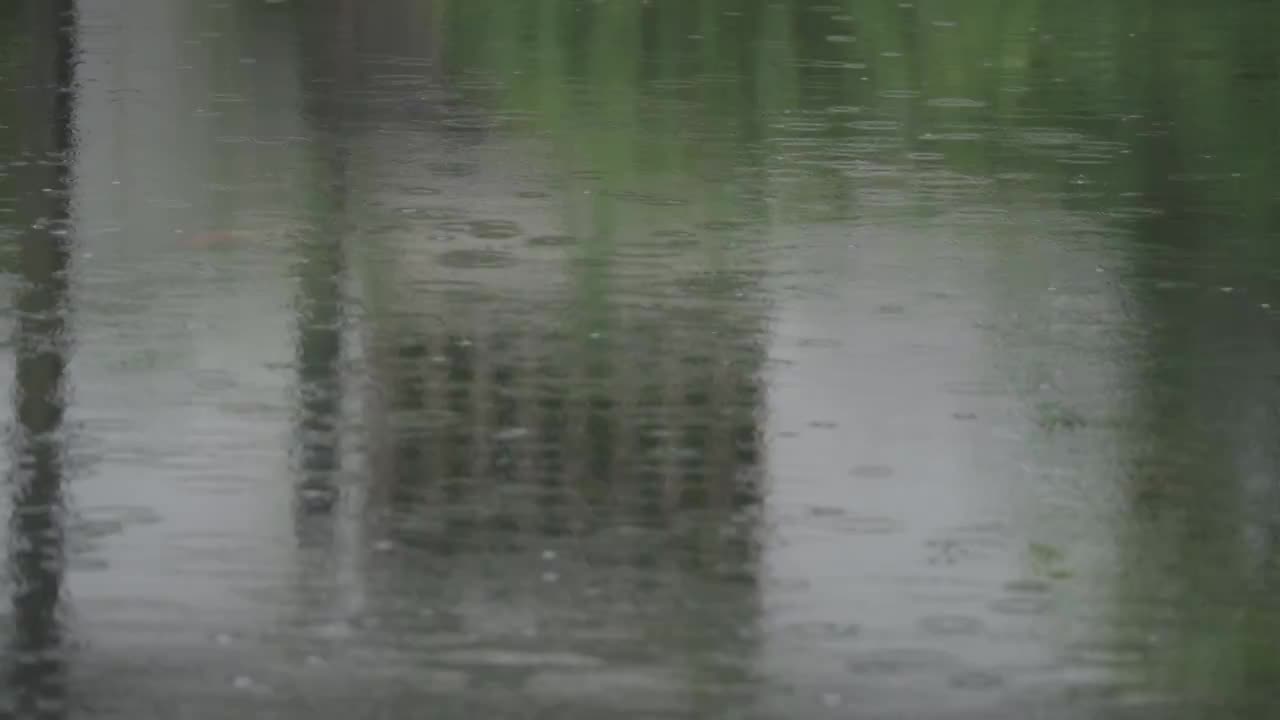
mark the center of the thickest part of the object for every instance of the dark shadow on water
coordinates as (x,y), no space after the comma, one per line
(35,667)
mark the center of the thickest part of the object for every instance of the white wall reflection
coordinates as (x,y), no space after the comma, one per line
(188,126)
(926,466)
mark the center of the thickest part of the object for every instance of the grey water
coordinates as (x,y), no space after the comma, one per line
(639,359)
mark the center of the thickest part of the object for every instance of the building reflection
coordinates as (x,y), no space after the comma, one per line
(595,487)
(562,442)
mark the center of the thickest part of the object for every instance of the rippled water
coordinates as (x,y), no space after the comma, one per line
(675,359)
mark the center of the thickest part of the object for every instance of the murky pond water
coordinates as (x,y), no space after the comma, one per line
(663,359)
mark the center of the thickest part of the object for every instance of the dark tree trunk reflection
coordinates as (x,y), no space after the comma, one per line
(37,674)
(326,53)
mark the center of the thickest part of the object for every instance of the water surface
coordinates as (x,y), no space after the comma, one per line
(675,359)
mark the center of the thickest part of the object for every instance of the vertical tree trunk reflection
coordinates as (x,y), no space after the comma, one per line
(36,543)
(320,278)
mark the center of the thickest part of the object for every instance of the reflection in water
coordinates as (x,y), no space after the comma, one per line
(566,503)
(320,282)
(1203,504)
(328,585)
(686,358)
(320,325)
(35,685)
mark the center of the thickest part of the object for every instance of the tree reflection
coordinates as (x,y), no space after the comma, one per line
(1202,467)
(1157,119)
(327,56)
(36,527)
